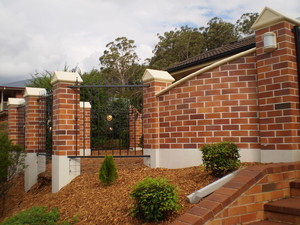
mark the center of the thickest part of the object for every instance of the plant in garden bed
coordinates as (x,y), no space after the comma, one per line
(108,172)
(220,158)
(155,199)
(35,216)
(12,161)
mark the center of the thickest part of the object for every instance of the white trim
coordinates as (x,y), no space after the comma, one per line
(68,77)
(16,101)
(32,91)
(156,75)
(269,17)
(85,105)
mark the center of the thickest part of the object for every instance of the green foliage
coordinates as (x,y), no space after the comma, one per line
(4,127)
(120,60)
(244,23)
(12,160)
(108,172)
(175,46)
(218,33)
(43,79)
(34,216)
(37,215)
(220,158)
(155,199)
(182,43)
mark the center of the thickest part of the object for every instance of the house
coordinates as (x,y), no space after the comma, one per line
(246,92)
(10,90)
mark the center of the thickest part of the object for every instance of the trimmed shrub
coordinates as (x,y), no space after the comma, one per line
(155,199)
(108,172)
(220,158)
(34,216)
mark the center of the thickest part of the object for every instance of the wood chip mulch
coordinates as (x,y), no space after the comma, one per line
(93,203)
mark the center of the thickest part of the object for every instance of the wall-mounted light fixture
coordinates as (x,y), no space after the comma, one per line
(270,43)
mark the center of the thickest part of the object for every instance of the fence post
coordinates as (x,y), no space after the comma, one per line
(157,80)
(66,133)
(32,161)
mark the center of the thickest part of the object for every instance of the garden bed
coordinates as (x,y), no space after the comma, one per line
(93,203)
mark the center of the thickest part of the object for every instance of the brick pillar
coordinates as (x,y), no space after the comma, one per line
(15,117)
(278,89)
(65,131)
(85,128)
(157,80)
(32,112)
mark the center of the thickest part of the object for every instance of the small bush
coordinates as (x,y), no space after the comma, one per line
(108,172)
(36,215)
(220,158)
(155,199)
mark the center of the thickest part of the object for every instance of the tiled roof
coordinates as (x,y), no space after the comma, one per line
(16,84)
(229,49)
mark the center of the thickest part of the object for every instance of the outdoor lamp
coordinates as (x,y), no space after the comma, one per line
(270,43)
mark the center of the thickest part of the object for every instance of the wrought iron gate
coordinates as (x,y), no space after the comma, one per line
(45,125)
(116,119)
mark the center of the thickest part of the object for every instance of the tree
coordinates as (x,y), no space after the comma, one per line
(43,79)
(119,61)
(218,33)
(12,160)
(175,46)
(244,23)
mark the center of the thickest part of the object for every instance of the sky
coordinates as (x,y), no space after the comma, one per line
(38,35)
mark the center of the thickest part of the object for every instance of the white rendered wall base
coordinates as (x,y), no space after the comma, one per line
(41,161)
(250,155)
(181,158)
(64,170)
(31,170)
(277,156)
(172,158)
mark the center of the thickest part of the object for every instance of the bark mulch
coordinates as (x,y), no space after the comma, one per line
(86,198)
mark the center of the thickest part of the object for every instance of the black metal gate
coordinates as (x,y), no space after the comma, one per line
(116,119)
(45,125)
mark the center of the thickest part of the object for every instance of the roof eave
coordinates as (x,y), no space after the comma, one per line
(231,52)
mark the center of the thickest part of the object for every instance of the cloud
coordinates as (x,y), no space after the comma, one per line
(39,35)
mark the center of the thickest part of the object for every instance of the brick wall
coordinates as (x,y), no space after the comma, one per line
(278,90)
(219,105)
(16,124)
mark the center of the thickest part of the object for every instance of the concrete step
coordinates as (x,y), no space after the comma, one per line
(295,188)
(285,210)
